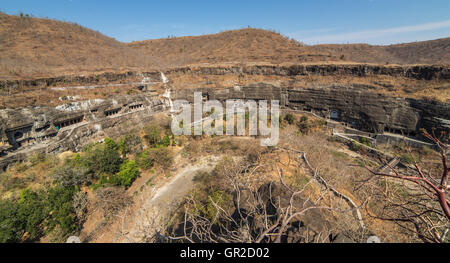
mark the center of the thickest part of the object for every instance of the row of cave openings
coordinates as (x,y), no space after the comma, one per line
(335,116)
(69,122)
(22,135)
(117,110)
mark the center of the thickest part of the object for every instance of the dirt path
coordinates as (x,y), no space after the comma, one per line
(154,204)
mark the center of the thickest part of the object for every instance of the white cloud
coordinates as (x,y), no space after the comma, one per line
(367,35)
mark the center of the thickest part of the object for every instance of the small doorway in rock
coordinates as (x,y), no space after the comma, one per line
(334,115)
(18,135)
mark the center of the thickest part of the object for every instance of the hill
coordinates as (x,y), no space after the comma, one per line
(36,47)
(244,45)
(425,52)
(44,47)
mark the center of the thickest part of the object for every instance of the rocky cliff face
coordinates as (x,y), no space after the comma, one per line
(370,111)
(70,126)
(422,72)
(415,72)
(359,108)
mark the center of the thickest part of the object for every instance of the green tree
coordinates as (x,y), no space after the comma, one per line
(129,171)
(31,212)
(62,214)
(104,158)
(10,226)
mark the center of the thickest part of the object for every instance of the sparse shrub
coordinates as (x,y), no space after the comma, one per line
(127,142)
(207,207)
(289,118)
(80,204)
(111,200)
(145,160)
(36,158)
(355,147)
(365,141)
(203,177)
(152,134)
(300,181)
(156,156)
(163,157)
(165,141)
(69,176)
(8,182)
(409,159)
(20,167)
(306,126)
(180,140)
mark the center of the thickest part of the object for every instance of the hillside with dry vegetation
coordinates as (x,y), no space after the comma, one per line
(245,45)
(37,47)
(425,52)
(43,47)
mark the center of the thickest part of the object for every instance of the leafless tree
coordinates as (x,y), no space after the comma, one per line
(111,200)
(421,204)
(272,213)
(80,204)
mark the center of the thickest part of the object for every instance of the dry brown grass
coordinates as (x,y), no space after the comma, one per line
(425,52)
(37,47)
(31,47)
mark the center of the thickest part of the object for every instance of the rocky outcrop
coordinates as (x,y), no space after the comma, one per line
(68,80)
(423,72)
(70,126)
(359,108)
(370,111)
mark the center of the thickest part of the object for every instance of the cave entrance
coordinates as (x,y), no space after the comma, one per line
(334,115)
(112,112)
(18,135)
(69,122)
(137,106)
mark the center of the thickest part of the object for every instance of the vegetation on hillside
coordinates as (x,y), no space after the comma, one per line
(40,47)
(45,197)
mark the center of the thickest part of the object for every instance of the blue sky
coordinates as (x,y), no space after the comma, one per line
(315,21)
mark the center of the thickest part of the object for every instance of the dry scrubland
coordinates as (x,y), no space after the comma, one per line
(244,164)
(37,47)
(107,189)
(103,193)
